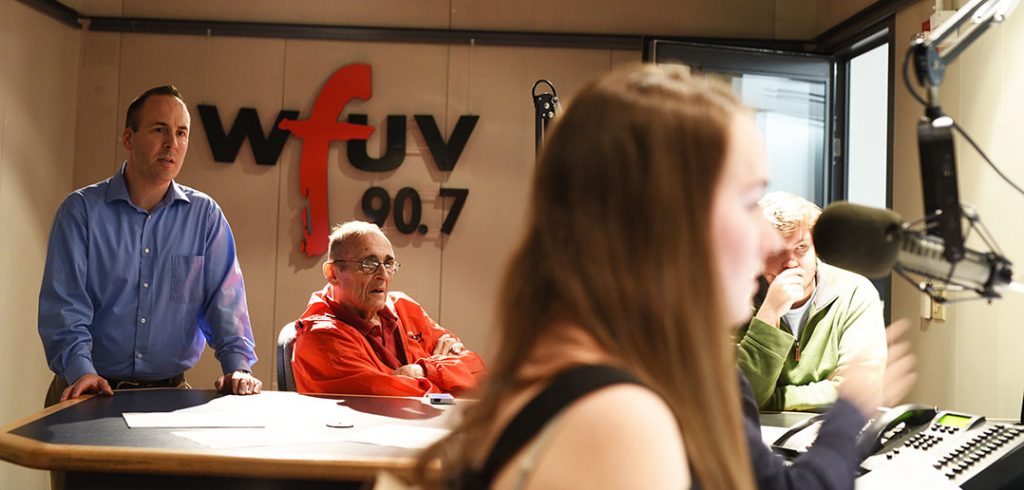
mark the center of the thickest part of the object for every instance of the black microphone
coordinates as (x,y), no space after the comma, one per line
(873,241)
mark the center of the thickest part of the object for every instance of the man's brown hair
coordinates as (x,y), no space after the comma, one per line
(131,120)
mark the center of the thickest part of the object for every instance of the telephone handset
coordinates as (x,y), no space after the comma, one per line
(891,425)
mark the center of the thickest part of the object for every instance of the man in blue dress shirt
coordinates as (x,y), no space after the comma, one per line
(141,272)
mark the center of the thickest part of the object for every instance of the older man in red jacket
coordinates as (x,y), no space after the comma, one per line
(357,337)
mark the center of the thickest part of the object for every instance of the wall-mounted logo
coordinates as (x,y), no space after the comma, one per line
(320,130)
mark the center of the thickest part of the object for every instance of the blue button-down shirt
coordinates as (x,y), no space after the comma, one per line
(133,294)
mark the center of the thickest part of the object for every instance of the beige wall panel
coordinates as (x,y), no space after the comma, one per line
(394,13)
(497,169)
(149,60)
(38,83)
(1013,38)
(99,125)
(246,191)
(831,13)
(979,87)
(977,324)
(987,96)
(38,121)
(407,80)
(796,19)
(5,33)
(1007,155)
(624,57)
(729,18)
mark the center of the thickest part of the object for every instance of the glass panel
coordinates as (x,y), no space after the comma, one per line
(790,115)
(790,93)
(868,173)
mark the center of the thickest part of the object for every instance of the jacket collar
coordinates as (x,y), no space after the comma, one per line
(322,306)
(825,289)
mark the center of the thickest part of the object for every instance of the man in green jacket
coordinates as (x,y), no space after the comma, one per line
(814,321)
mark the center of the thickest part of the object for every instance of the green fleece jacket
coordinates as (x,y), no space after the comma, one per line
(845,318)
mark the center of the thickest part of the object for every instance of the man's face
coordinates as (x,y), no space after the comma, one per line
(797,252)
(362,293)
(157,150)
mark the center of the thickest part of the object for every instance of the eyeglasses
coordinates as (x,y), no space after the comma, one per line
(371,265)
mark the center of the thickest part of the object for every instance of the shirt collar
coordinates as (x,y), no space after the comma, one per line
(118,190)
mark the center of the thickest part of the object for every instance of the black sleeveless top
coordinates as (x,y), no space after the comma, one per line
(567,387)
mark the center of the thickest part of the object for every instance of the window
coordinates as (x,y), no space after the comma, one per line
(826,117)
(791,94)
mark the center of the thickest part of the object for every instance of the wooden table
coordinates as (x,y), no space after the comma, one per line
(89,439)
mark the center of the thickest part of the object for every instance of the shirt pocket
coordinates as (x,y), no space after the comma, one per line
(187,279)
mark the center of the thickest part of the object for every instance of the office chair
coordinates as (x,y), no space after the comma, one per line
(285,342)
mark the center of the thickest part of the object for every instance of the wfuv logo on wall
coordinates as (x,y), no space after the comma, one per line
(322,128)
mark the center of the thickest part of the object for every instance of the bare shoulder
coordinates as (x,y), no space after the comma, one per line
(622,436)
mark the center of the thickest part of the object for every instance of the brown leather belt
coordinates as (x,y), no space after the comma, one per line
(131,384)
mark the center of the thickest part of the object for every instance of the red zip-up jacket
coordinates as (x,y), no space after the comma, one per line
(331,356)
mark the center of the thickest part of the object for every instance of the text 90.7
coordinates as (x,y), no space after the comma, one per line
(407,208)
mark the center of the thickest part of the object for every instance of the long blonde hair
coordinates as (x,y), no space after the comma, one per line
(618,243)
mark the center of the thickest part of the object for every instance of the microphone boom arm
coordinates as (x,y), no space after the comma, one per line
(935,130)
(930,63)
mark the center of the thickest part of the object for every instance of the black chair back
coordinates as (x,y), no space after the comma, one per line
(285,342)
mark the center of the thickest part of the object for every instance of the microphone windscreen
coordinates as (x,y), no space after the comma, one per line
(858,238)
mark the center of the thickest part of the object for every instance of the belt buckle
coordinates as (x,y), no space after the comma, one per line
(127,385)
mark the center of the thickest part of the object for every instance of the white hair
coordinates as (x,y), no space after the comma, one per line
(341,234)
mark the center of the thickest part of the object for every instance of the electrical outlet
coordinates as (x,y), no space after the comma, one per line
(938,311)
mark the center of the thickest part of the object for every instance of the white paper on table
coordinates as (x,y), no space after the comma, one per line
(185,420)
(233,411)
(771,434)
(289,418)
(407,436)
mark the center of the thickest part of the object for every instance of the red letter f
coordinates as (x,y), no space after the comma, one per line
(322,127)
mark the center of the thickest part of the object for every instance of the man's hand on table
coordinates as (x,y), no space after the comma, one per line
(85,384)
(238,383)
